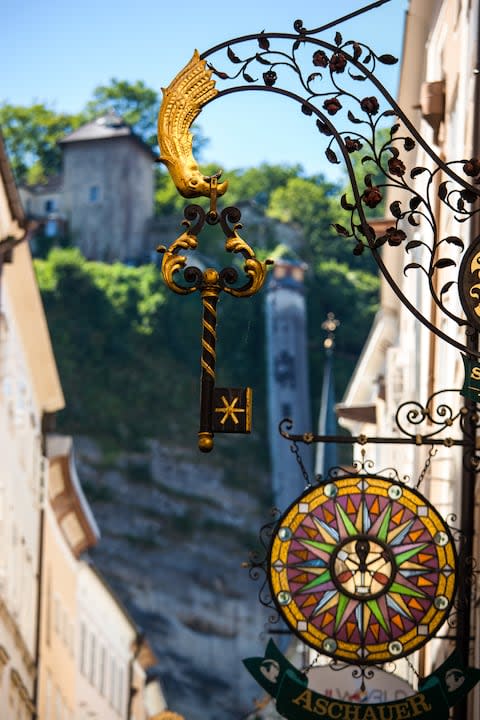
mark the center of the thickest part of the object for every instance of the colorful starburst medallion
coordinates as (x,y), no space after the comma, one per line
(363,569)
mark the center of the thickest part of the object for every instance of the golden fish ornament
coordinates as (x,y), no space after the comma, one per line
(182,102)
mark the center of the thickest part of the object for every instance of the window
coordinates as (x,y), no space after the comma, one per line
(113,671)
(83,649)
(57,614)
(94,194)
(50,206)
(93,652)
(120,691)
(51,228)
(101,679)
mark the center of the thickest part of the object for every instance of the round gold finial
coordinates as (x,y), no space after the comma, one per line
(210,276)
(205,442)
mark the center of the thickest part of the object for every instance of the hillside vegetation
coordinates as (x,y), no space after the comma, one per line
(128,349)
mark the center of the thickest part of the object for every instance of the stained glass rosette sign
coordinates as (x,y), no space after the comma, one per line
(363,569)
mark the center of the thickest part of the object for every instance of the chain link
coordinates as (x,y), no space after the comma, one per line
(413,668)
(294,449)
(431,453)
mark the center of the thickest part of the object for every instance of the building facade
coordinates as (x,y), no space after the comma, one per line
(107,192)
(403,362)
(29,390)
(68,530)
(68,649)
(106,640)
(103,200)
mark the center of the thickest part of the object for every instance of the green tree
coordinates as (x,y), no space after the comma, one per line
(31,134)
(257,184)
(135,102)
(313,204)
(138,105)
(302,200)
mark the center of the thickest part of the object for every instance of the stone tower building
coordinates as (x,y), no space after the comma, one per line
(107,190)
(287,372)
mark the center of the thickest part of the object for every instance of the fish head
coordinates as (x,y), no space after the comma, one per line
(190,182)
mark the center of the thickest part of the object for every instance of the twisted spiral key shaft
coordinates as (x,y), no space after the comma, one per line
(210,294)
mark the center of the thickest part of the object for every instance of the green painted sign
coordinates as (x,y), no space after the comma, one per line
(471,386)
(295,701)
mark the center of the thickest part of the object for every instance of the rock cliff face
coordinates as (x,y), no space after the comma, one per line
(174,534)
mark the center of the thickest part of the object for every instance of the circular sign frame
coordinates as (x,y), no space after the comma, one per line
(363,569)
(469,283)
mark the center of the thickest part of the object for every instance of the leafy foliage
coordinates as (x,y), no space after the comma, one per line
(105,322)
(128,350)
(310,203)
(135,102)
(31,135)
(257,184)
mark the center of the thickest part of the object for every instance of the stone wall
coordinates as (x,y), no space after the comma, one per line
(174,536)
(108,197)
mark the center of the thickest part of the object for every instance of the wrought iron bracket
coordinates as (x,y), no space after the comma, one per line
(415,424)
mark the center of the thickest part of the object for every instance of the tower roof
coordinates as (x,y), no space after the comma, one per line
(288,272)
(105,127)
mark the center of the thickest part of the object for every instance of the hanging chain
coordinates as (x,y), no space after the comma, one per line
(306,668)
(413,668)
(294,449)
(431,453)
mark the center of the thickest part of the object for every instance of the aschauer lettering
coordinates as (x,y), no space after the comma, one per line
(412,707)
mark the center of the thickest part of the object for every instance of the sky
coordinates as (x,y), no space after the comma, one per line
(58,51)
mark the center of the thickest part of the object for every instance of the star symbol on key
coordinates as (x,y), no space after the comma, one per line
(229,410)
